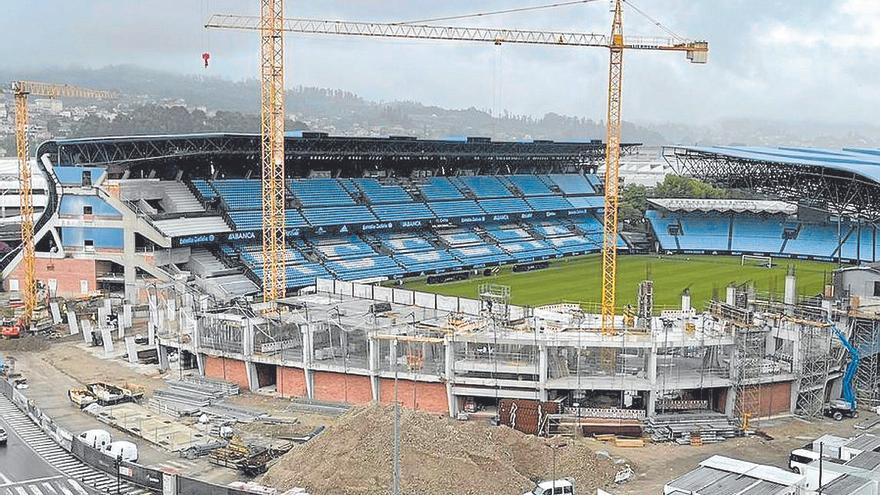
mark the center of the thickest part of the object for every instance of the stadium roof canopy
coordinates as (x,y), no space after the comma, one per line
(239,153)
(725,205)
(843,181)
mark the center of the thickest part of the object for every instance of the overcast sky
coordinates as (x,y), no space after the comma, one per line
(802,60)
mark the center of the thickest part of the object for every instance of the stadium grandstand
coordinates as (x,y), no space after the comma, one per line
(358,209)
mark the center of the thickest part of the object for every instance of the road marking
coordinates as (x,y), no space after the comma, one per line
(36,490)
(49,487)
(33,480)
(6,481)
(76,487)
(21,490)
(65,490)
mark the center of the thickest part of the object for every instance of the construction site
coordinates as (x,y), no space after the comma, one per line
(234,307)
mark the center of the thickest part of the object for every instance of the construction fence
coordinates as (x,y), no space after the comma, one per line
(151,479)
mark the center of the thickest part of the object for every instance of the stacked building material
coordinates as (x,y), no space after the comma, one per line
(527,416)
(710,427)
(190,395)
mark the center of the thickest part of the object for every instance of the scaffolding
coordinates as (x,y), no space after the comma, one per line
(646,304)
(495,303)
(813,367)
(866,338)
(749,349)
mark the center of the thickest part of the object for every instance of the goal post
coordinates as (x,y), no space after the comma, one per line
(757,260)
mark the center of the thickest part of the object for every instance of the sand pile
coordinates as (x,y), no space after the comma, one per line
(438,456)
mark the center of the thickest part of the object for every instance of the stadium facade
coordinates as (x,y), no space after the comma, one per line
(171,224)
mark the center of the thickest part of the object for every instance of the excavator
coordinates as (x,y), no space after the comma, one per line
(846,406)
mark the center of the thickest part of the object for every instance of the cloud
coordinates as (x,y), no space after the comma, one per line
(769,59)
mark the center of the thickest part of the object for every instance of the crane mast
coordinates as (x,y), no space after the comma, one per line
(20,91)
(696,52)
(272,141)
(612,173)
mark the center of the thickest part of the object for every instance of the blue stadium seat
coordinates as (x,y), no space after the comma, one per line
(345,247)
(504,205)
(451,209)
(320,192)
(427,261)
(757,234)
(402,211)
(253,219)
(572,183)
(508,234)
(484,254)
(364,268)
(586,201)
(405,243)
(240,194)
(528,185)
(549,203)
(483,186)
(529,250)
(377,193)
(439,188)
(466,238)
(204,189)
(706,232)
(338,215)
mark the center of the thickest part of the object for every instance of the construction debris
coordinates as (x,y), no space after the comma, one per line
(439,455)
(104,394)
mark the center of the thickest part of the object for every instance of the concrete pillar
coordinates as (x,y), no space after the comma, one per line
(308,353)
(790,296)
(651,370)
(72,323)
(129,275)
(731,296)
(247,338)
(449,371)
(686,300)
(131,349)
(200,362)
(252,378)
(543,372)
(108,340)
(730,404)
(56,312)
(126,315)
(162,352)
(86,331)
(374,366)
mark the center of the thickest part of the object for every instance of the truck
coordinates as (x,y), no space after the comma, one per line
(564,486)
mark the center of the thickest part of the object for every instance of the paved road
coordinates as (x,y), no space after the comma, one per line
(33,464)
(24,472)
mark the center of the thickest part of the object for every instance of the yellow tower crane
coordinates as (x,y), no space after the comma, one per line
(21,90)
(272,143)
(616,43)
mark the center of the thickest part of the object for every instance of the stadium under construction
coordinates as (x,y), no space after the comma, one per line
(170,225)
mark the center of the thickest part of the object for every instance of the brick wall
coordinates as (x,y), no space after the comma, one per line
(339,387)
(773,399)
(291,382)
(422,396)
(231,370)
(68,274)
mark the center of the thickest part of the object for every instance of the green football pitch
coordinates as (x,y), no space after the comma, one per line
(578,279)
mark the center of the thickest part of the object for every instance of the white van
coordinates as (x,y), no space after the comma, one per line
(97,439)
(123,450)
(558,487)
(800,458)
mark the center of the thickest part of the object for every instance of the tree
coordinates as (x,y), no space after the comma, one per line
(677,186)
(633,203)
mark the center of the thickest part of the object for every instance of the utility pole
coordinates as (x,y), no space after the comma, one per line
(396,483)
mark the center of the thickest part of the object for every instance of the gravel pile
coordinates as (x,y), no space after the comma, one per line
(438,456)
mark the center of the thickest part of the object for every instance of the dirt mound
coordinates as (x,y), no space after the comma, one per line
(438,456)
(27,343)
